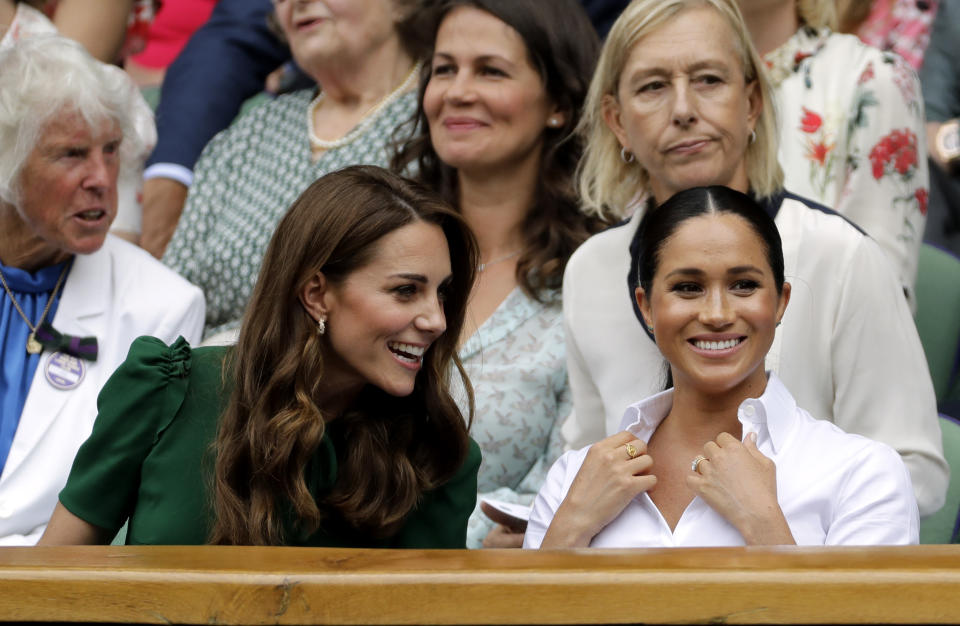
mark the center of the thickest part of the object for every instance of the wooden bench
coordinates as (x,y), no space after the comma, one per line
(246,585)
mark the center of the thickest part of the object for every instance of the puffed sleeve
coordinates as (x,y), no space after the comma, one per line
(440,520)
(138,402)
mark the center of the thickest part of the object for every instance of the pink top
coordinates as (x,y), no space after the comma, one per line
(902,26)
(173,25)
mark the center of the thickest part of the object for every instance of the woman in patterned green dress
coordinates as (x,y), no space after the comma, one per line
(330,423)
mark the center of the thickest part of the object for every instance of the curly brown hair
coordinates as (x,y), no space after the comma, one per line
(395,448)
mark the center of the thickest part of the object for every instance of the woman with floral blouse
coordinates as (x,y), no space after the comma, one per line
(851,124)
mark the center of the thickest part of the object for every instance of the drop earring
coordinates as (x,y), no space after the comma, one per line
(322,325)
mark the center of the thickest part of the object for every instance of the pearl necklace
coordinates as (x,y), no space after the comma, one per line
(324,144)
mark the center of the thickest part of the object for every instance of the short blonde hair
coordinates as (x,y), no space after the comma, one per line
(818,13)
(607,185)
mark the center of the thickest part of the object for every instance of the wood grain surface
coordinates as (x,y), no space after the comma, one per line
(248,585)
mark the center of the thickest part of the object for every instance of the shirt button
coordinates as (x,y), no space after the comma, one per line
(749,411)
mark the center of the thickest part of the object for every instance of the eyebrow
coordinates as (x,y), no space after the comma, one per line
(713,64)
(420,278)
(483,58)
(59,146)
(694,271)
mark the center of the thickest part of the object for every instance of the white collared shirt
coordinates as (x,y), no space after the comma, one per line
(834,488)
(847,350)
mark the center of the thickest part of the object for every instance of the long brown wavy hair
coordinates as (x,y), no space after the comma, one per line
(563,47)
(395,448)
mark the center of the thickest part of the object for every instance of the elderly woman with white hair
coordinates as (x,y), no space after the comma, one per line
(20,19)
(74,298)
(678,101)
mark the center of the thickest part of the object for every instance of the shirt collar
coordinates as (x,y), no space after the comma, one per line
(771,415)
(790,56)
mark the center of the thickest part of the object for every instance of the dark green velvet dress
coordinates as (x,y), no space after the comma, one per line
(149,459)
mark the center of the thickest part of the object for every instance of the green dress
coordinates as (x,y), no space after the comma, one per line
(149,459)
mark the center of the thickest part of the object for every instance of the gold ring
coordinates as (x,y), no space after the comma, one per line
(695,465)
(632,451)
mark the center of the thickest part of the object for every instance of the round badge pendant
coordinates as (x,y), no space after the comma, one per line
(63,371)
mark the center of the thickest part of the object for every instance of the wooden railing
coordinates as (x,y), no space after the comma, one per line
(239,585)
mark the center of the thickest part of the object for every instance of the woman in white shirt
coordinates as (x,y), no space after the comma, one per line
(678,101)
(725,457)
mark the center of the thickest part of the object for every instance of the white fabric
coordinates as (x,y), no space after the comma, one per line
(115,294)
(833,488)
(847,349)
(173,171)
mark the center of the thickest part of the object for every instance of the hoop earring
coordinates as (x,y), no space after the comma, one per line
(322,325)
(753,136)
(626,156)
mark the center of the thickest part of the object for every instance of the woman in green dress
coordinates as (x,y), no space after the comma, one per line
(330,422)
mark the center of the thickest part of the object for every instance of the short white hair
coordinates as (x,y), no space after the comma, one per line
(46,76)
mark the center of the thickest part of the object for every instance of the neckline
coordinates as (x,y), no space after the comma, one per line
(38,281)
(325,145)
(790,56)
(512,311)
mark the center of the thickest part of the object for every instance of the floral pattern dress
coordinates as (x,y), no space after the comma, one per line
(852,137)
(517,365)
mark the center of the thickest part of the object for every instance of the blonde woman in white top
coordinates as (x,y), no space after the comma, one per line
(678,101)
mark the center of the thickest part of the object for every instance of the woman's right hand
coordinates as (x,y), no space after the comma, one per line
(606,482)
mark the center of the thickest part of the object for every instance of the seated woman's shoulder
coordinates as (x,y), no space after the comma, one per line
(138,271)
(819,434)
(288,105)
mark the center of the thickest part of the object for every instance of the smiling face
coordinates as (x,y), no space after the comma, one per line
(683,106)
(382,317)
(68,187)
(713,304)
(485,103)
(322,31)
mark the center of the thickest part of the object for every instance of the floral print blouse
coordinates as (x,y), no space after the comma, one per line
(852,137)
(517,365)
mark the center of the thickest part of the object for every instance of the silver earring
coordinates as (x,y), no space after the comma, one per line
(553,122)
(626,156)
(753,136)
(322,325)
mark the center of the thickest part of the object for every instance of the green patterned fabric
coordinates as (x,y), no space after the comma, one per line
(245,180)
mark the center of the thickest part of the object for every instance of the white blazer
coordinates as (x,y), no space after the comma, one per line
(115,294)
